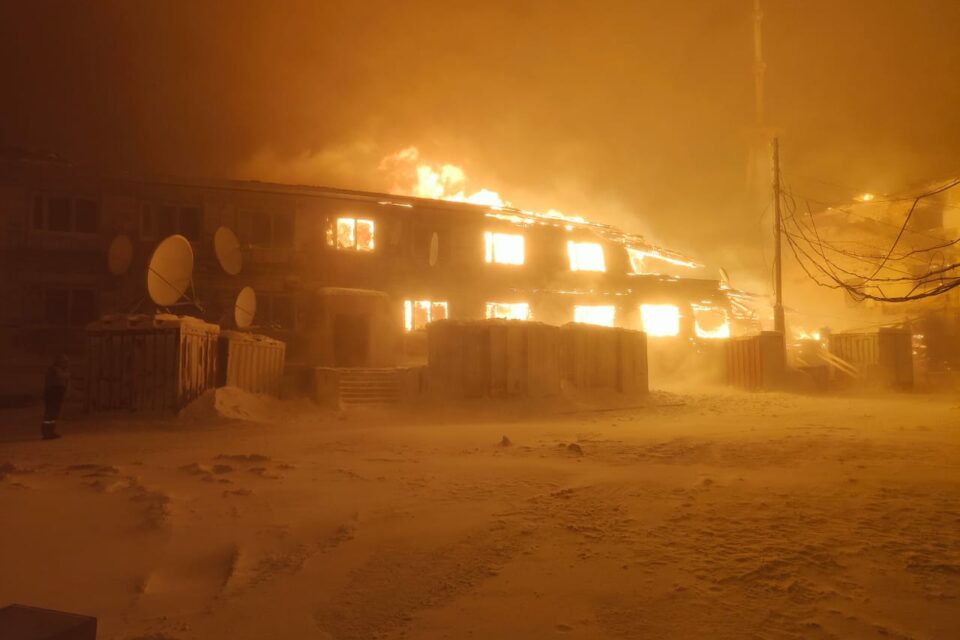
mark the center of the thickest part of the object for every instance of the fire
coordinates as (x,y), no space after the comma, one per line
(660,319)
(710,323)
(638,259)
(355,233)
(417,314)
(602,315)
(508,310)
(585,256)
(504,248)
(438,182)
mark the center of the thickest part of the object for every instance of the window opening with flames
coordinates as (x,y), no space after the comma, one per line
(602,315)
(508,310)
(417,314)
(504,248)
(660,320)
(586,256)
(710,322)
(352,234)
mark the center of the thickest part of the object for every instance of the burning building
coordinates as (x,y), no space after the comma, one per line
(345,278)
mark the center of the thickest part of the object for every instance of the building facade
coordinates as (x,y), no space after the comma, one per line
(346,278)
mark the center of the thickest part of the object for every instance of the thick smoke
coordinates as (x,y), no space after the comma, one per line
(637,113)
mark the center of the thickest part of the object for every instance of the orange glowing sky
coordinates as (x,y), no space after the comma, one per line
(637,113)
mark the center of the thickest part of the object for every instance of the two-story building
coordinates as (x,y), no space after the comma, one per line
(347,278)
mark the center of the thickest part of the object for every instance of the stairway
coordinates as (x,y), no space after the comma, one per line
(369,387)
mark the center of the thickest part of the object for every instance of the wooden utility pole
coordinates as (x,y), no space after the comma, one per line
(759,151)
(759,67)
(778,322)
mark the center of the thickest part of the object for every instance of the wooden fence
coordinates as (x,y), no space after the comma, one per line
(594,357)
(756,362)
(493,358)
(149,363)
(884,358)
(250,361)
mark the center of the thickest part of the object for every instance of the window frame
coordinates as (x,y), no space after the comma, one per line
(36,311)
(490,248)
(40,213)
(611,307)
(574,258)
(492,304)
(677,318)
(157,210)
(409,318)
(333,234)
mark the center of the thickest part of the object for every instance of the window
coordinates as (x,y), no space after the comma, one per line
(58,307)
(504,248)
(352,234)
(65,214)
(508,310)
(710,322)
(190,223)
(283,230)
(265,229)
(85,216)
(275,311)
(417,314)
(59,214)
(660,319)
(83,307)
(158,221)
(260,228)
(585,256)
(602,315)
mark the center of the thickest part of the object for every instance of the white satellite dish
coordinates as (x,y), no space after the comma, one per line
(724,277)
(245,307)
(120,255)
(434,249)
(227,248)
(170,271)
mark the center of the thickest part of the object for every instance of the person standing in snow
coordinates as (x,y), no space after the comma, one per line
(54,390)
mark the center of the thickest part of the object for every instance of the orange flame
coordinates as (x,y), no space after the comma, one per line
(438,182)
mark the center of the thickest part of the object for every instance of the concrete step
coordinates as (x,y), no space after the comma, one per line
(369,387)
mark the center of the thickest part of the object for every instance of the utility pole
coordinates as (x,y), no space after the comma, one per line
(778,322)
(759,66)
(758,157)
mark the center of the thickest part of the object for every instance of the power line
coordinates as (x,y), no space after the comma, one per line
(810,250)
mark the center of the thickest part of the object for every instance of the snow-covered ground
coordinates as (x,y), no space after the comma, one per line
(709,515)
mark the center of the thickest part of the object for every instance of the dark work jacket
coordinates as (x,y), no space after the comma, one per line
(57,379)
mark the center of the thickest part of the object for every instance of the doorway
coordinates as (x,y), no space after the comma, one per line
(351,340)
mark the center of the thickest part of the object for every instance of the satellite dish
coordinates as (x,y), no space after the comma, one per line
(434,249)
(120,255)
(227,248)
(245,307)
(724,277)
(170,271)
